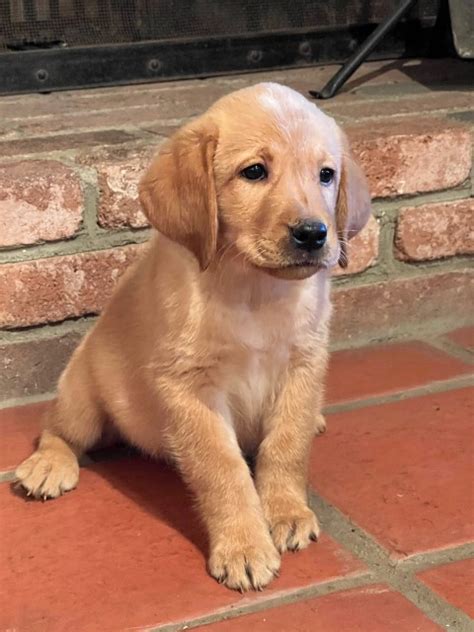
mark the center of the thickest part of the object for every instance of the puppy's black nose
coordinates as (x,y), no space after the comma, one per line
(309,234)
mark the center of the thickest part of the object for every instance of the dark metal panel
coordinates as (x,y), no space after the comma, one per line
(89,66)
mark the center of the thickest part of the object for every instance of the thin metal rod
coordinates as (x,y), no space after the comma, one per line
(360,55)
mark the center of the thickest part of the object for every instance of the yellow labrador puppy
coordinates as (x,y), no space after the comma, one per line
(214,344)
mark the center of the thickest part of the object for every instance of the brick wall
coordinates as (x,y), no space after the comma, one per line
(70,222)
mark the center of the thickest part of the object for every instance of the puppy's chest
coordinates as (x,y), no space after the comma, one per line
(256,347)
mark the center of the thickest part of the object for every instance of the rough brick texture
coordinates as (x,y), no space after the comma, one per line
(40,200)
(381,310)
(405,156)
(410,137)
(50,290)
(118,175)
(433,231)
(32,367)
(365,312)
(363,250)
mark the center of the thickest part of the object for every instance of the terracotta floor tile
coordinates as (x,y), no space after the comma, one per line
(19,428)
(124,550)
(454,582)
(403,471)
(384,369)
(463,337)
(371,609)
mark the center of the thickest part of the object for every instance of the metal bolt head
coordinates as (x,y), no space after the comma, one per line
(154,65)
(42,74)
(254,56)
(352,45)
(304,49)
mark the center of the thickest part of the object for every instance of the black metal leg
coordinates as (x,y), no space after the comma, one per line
(351,65)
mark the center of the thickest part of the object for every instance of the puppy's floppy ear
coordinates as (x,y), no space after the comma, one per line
(353,202)
(178,194)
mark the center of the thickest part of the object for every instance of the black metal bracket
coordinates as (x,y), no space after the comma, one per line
(361,54)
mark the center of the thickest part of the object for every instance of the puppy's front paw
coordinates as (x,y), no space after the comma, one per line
(319,424)
(48,474)
(244,562)
(293,525)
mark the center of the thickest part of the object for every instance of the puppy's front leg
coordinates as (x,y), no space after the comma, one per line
(242,554)
(282,461)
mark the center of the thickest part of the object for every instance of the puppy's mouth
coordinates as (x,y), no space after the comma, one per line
(304,264)
(282,263)
(292,269)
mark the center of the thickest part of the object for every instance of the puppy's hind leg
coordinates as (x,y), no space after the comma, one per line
(72,425)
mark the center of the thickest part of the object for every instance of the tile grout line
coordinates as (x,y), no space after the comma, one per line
(7,476)
(17,402)
(380,569)
(347,406)
(440,386)
(429,603)
(427,560)
(439,342)
(416,563)
(449,347)
(398,575)
(283,598)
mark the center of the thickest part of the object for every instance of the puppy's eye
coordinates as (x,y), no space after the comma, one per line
(326,175)
(254,172)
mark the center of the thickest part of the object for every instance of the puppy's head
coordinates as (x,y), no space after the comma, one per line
(263,174)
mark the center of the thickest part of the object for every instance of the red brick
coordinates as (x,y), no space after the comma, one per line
(33,366)
(40,200)
(118,174)
(463,337)
(382,310)
(454,582)
(385,369)
(50,290)
(369,609)
(437,230)
(406,156)
(402,471)
(125,550)
(363,250)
